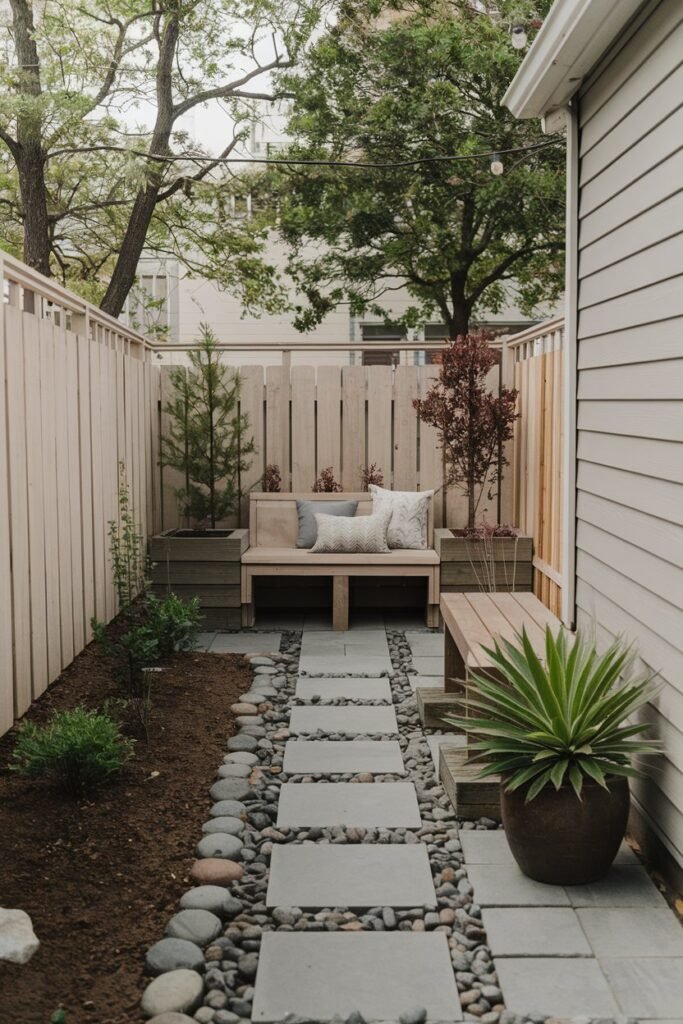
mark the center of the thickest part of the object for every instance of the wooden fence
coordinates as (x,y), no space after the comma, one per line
(77,395)
(537,451)
(307,418)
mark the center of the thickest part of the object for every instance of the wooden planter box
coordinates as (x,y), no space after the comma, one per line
(206,566)
(464,567)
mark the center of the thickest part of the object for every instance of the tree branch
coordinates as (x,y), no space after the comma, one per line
(230,89)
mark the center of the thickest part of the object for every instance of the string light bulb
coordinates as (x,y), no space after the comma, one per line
(518,36)
(496,165)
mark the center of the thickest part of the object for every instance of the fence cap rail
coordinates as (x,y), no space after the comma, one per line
(547,327)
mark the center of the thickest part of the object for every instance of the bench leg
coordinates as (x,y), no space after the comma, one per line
(248,615)
(433,616)
(340,602)
(454,666)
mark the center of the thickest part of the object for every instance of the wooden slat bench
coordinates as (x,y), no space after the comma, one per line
(273,530)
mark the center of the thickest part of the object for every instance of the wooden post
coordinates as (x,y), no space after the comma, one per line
(340,602)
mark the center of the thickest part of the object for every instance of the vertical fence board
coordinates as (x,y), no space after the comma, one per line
(277,421)
(405,430)
(76,529)
(36,506)
(303,428)
(379,419)
(6,618)
(251,405)
(86,474)
(431,455)
(99,525)
(353,427)
(328,418)
(48,450)
(66,611)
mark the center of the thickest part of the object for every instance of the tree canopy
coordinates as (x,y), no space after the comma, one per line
(97,155)
(391,83)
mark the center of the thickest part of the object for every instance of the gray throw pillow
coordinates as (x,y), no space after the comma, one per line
(308,528)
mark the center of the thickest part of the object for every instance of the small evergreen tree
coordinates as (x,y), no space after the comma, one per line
(207,441)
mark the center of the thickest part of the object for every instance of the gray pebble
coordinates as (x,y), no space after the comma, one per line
(200,926)
(242,742)
(219,844)
(225,823)
(171,953)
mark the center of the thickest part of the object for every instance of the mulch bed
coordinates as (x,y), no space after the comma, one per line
(101,879)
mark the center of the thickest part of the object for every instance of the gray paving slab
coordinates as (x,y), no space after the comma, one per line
(504,885)
(491,847)
(338,664)
(334,757)
(436,742)
(534,931)
(204,640)
(403,620)
(435,682)
(366,805)
(429,666)
(426,645)
(563,987)
(380,975)
(246,643)
(322,875)
(348,719)
(632,931)
(331,640)
(344,687)
(648,987)
(624,886)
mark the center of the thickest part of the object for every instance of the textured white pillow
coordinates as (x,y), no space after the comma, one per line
(409,514)
(351,534)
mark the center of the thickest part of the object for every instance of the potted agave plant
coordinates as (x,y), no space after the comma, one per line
(561,736)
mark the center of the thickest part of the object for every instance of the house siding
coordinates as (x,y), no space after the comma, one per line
(629,513)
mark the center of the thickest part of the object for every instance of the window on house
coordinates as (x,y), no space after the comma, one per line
(380,335)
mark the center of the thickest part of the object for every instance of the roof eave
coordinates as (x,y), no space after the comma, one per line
(571,41)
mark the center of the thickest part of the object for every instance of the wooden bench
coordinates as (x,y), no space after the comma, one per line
(273,531)
(471,622)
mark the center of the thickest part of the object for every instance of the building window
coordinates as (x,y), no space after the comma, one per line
(380,335)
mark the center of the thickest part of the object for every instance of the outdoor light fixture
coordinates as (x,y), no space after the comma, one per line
(518,36)
(496,165)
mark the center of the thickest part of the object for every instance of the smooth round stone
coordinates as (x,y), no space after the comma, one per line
(220,844)
(174,992)
(228,808)
(172,1018)
(215,871)
(225,824)
(230,789)
(244,708)
(241,757)
(244,721)
(200,926)
(265,670)
(257,697)
(214,898)
(172,953)
(241,742)
(260,660)
(234,771)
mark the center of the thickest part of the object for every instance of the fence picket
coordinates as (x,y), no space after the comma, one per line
(328,418)
(303,428)
(353,456)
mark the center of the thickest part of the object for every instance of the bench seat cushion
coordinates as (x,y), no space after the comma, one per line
(392,560)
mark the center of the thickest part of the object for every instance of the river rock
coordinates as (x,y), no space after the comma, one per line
(224,823)
(228,808)
(214,898)
(242,742)
(215,871)
(172,953)
(230,789)
(18,941)
(175,992)
(219,844)
(200,926)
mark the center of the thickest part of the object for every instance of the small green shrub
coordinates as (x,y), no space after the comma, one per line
(134,650)
(80,749)
(173,622)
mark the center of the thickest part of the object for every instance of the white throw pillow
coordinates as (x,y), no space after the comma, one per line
(343,535)
(409,515)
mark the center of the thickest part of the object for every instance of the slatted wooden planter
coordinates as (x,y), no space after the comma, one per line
(206,565)
(468,564)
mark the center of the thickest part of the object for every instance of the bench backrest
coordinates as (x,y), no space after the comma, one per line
(273,520)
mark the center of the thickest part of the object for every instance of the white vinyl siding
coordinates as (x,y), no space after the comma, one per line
(629,539)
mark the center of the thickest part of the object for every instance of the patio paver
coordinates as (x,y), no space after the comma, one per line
(632,931)
(646,988)
(504,885)
(343,719)
(535,931)
(564,987)
(382,804)
(380,975)
(344,687)
(329,757)
(491,847)
(245,643)
(624,886)
(431,681)
(426,645)
(321,875)
(429,666)
(336,664)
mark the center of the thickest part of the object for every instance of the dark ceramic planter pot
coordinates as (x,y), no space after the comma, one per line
(559,839)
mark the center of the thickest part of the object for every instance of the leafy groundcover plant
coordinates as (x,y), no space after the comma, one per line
(80,749)
(562,721)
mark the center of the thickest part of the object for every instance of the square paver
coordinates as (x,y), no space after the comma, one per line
(322,875)
(434,682)
(344,687)
(563,987)
(624,886)
(334,757)
(343,719)
(378,974)
(534,931)
(435,744)
(490,847)
(631,931)
(429,666)
(365,805)
(504,885)
(336,664)
(246,643)
(203,641)
(426,645)
(646,988)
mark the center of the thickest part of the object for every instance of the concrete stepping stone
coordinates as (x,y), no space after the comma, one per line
(632,931)
(330,757)
(491,847)
(245,643)
(343,719)
(321,875)
(562,987)
(380,975)
(378,804)
(534,931)
(338,664)
(426,645)
(432,682)
(624,886)
(344,688)
(504,885)
(647,988)
(429,666)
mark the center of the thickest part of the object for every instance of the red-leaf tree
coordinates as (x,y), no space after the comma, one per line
(473,423)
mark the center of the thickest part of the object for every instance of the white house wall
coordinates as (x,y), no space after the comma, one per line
(629,541)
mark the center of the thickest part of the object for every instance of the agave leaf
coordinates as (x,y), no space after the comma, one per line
(548,696)
(591,767)
(524,775)
(538,784)
(557,772)
(576,779)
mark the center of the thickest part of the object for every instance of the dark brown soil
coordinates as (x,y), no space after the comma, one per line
(101,879)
